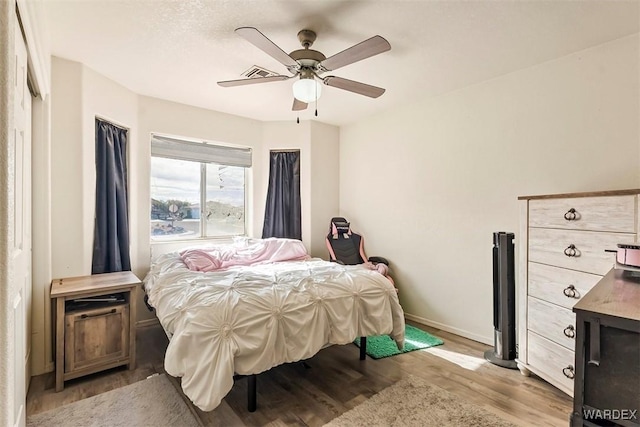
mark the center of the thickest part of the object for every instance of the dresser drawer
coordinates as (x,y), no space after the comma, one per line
(552,360)
(553,247)
(614,213)
(558,285)
(553,322)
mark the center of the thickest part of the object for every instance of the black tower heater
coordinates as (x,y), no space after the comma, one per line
(504,302)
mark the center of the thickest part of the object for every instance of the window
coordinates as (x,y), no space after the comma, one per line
(197,189)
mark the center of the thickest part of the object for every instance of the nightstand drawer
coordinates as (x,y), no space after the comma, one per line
(614,213)
(96,337)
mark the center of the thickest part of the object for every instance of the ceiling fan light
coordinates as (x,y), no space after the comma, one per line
(307,90)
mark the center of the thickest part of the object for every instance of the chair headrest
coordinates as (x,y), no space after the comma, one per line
(340,227)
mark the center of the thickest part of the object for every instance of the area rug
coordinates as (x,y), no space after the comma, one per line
(414,339)
(413,402)
(151,402)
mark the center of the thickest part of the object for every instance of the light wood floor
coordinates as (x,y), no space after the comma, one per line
(337,381)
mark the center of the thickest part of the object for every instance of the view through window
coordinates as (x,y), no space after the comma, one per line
(195,199)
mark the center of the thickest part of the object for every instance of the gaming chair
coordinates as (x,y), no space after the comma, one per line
(345,246)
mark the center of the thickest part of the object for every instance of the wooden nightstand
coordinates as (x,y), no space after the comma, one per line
(95,323)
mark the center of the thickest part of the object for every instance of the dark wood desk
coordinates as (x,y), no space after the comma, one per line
(607,381)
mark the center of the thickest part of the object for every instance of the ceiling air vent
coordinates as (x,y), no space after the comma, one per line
(256,71)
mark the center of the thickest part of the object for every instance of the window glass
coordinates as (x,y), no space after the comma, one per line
(224,212)
(175,199)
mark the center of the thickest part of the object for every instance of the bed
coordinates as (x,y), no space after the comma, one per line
(246,307)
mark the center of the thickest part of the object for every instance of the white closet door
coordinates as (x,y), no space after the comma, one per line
(20,227)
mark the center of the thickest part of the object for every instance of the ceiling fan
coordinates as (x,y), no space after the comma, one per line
(309,65)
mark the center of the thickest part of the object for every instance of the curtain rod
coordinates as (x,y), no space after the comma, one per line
(284,150)
(113,122)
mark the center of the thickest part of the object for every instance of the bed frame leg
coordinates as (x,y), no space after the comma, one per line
(252,393)
(252,398)
(363,348)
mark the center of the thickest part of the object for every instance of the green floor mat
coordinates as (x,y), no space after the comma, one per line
(414,339)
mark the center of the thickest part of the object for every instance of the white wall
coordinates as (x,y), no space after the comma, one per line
(428,184)
(41,337)
(325,185)
(68,243)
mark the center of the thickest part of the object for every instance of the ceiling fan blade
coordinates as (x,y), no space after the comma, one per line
(363,50)
(353,86)
(252,80)
(255,37)
(298,105)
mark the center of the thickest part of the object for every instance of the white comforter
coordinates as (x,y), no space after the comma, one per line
(246,320)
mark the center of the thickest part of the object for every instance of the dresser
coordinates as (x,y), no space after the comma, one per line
(562,245)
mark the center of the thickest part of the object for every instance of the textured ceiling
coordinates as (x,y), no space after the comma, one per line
(178,50)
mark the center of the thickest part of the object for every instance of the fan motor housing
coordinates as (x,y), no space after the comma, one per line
(307,57)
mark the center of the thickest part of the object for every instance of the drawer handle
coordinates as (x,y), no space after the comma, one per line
(569,331)
(568,372)
(84,316)
(571,251)
(570,292)
(571,215)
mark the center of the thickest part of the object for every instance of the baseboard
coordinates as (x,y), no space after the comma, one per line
(451,329)
(147,322)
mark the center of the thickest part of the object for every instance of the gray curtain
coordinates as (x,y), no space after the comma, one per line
(111,232)
(282,215)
